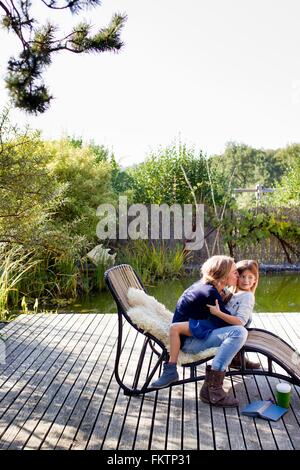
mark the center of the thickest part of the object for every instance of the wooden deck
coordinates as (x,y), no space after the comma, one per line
(57,391)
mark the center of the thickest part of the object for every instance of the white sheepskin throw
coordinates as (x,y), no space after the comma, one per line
(153,317)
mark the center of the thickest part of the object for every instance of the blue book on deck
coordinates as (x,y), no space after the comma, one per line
(265,409)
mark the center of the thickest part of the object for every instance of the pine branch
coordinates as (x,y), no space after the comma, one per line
(25,74)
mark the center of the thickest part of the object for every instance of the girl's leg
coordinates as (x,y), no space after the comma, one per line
(229,339)
(177,329)
(170,373)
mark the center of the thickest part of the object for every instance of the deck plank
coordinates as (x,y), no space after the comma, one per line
(144,429)
(190,415)
(174,438)
(18,346)
(292,418)
(160,423)
(205,424)
(134,410)
(67,437)
(58,391)
(53,380)
(94,407)
(142,440)
(11,328)
(263,427)
(16,403)
(143,434)
(248,426)
(108,404)
(279,431)
(118,417)
(91,355)
(234,426)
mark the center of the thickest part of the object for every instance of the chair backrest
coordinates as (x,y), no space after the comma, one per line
(119,279)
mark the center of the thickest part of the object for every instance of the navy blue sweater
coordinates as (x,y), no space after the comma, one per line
(192,305)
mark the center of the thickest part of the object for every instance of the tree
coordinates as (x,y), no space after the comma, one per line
(49,192)
(288,157)
(40,41)
(288,190)
(244,162)
(160,179)
(248,166)
(48,187)
(86,183)
(27,190)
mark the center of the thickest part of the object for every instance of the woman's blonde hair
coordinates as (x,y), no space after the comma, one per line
(216,269)
(249,265)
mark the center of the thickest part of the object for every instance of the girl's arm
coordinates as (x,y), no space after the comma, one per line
(230,319)
(246,306)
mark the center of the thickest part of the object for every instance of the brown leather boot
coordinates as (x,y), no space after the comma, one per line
(236,363)
(204,395)
(216,395)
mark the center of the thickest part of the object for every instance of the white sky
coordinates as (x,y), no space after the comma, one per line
(209,71)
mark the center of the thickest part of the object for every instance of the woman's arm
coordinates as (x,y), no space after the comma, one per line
(230,319)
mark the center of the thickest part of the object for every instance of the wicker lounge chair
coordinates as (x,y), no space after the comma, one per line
(120,278)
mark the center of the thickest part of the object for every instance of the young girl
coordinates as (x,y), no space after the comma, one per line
(241,303)
(240,306)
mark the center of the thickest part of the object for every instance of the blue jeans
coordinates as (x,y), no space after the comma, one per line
(229,340)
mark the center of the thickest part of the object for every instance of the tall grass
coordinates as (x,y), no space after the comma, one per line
(154,261)
(102,260)
(49,279)
(52,278)
(27,276)
(41,279)
(14,265)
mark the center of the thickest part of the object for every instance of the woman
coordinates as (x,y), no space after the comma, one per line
(217,272)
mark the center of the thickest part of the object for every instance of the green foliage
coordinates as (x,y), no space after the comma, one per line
(153,262)
(101,153)
(121,180)
(248,227)
(40,41)
(249,166)
(76,142)
(160,179)
(27,191)
(288,157)
(14,266)
(288,190)
(49,195)
(49,191)
(85,182)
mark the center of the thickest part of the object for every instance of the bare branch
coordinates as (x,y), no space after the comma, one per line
(49,5)
(70,5)
(2,5)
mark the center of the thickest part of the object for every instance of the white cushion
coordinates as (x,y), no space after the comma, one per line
(153,317)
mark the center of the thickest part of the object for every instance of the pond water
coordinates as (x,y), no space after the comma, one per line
(275,293)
